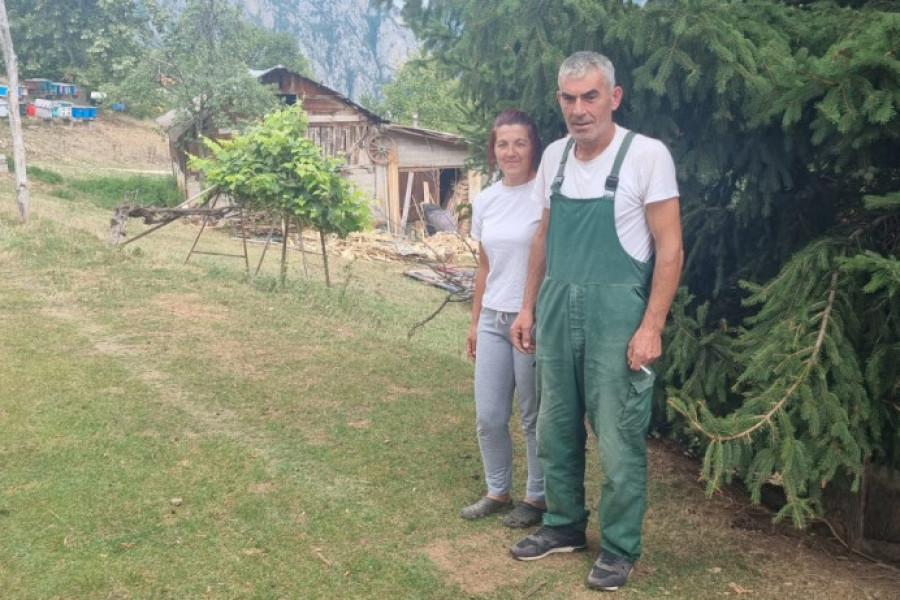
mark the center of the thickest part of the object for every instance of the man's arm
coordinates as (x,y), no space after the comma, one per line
(520,330)
(664,220)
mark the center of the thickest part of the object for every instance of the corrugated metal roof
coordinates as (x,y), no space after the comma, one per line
(429,133)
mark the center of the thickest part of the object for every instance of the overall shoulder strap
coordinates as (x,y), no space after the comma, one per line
(612,182)
(558,180)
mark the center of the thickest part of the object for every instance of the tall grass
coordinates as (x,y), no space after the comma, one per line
(45,175)
(109,192)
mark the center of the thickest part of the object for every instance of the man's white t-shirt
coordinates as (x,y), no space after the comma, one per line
(647,175)
(504,220)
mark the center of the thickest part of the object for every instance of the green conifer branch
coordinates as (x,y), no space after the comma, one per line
(766,418)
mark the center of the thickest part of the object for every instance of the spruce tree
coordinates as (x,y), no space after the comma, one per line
(783,353)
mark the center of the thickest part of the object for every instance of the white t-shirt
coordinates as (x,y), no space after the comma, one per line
(647,175)
(504,220)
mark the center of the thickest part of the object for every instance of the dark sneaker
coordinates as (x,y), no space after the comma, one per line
(548,540)
(610,572)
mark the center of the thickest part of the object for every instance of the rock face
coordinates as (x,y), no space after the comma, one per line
(352,47)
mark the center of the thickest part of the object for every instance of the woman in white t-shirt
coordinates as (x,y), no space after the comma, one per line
(503,221)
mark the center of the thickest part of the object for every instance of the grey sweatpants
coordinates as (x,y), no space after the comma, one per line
(500,370)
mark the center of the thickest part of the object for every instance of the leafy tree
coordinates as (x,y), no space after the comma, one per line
(783,357)
(423,91)
(196,63)
(266,48)
(275,168)
(88,41)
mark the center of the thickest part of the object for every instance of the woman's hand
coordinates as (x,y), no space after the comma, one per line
(471,340)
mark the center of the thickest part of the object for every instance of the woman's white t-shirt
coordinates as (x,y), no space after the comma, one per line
(504,219)
(647,175)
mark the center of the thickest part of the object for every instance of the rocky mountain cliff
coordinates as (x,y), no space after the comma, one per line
(352,47)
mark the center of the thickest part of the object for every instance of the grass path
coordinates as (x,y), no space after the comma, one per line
(179,431)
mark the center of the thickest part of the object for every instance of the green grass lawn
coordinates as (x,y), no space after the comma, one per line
(183,431)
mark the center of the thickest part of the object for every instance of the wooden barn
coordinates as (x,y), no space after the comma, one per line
(389,163)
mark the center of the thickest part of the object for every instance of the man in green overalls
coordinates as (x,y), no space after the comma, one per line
(604,267)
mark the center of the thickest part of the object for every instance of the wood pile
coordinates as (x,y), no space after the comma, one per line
(445,247)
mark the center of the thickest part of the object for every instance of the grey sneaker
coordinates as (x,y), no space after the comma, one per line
(524,515)
(548,540)
(609,572)
(485,507)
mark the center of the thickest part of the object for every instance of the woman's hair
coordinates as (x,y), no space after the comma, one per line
(514,116)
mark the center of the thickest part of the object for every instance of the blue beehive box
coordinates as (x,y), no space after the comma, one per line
(84,113)
(4,90)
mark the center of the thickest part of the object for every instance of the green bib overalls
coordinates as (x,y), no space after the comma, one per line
(590,304)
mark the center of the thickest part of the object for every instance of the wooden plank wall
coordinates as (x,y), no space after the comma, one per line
(335,126)
(341,140)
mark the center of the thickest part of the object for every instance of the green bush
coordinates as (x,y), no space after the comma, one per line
(44,175)
(110,192)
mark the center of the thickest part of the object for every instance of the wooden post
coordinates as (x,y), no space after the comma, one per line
(284,238)
(266,247)
(15,121)
(244,239)
(393,188)
(409,184)
(202,227)
(474,180)
(325,259)
(301,247)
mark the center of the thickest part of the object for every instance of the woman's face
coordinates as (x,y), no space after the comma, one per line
(512,147)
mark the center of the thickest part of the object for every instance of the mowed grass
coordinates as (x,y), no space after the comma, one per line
(185,431)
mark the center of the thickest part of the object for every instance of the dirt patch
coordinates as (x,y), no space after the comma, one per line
(478,564)
(190,306)
(261,489)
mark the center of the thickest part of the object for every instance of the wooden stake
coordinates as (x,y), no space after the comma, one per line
(284,239)
(244,239)
(266,247)
(325,259)
(199,233)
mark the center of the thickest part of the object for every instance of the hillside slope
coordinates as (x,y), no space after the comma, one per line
(112,142)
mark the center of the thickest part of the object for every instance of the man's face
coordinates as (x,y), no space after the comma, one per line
(587,105)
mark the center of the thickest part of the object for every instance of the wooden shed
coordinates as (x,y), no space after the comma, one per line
(388,162)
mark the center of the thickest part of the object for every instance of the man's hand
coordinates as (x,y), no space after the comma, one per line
(644,348)
(520,332)
(664,220)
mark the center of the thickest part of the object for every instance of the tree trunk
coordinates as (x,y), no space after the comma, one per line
(846,510)
(15,122)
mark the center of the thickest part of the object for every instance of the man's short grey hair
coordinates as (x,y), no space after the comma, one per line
(581,63)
